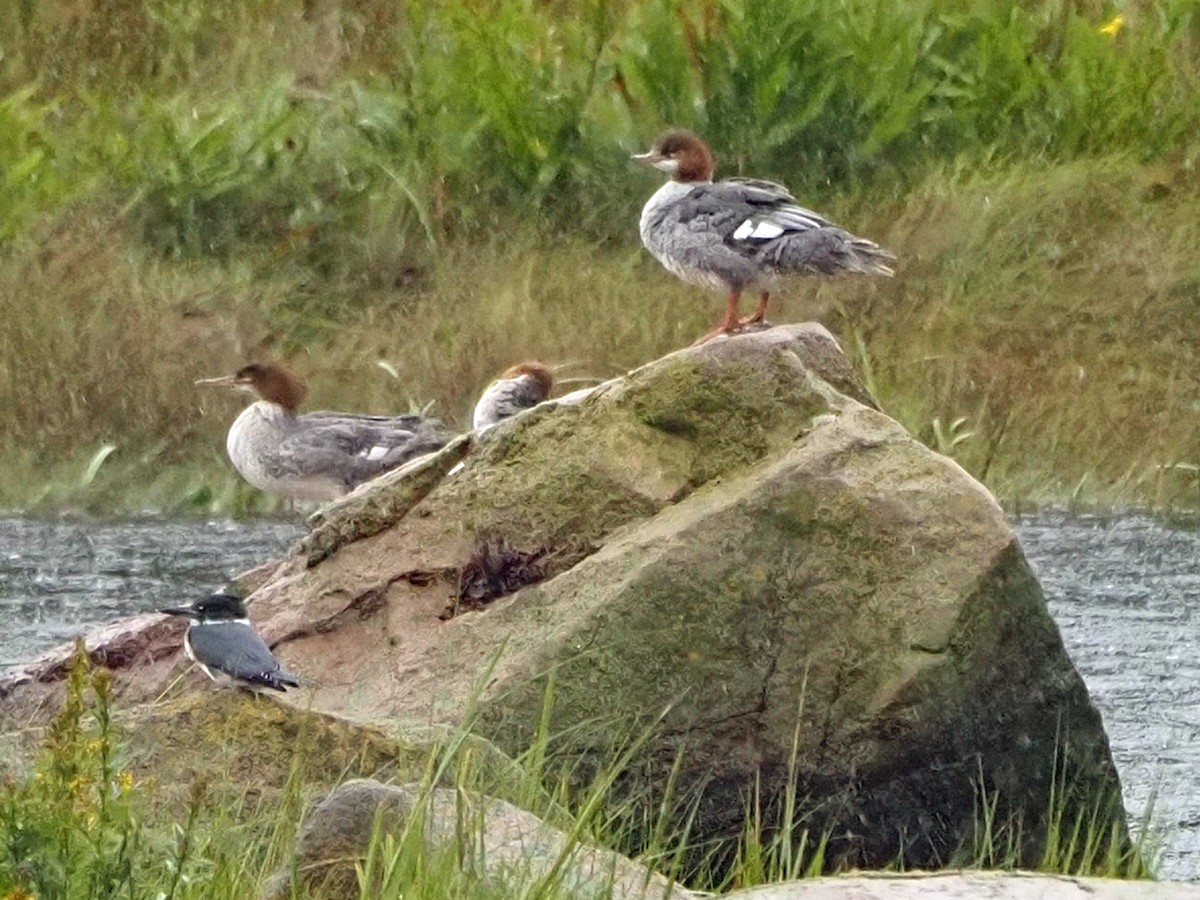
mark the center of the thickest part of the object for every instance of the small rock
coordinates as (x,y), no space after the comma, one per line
(499,843)
(969,886)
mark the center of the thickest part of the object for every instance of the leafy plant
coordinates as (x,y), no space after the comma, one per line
(31,177)
(72,828)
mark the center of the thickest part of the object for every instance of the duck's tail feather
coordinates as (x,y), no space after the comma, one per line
(871,258)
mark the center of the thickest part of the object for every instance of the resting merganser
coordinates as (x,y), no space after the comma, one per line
(318,456)
(221,640)
(523,386)
(741,233)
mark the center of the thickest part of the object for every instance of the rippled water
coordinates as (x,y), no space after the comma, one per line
(1126,593)
(1122,590)
(59,577)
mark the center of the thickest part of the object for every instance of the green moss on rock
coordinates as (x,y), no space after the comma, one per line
(569,476)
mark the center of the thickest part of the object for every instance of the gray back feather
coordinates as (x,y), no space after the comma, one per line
(355,448)
(740,227)
(237,650)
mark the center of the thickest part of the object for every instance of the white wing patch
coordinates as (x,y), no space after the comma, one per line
(757,231)
(374,453)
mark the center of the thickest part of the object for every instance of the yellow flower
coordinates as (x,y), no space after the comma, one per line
(18,893)
(1113,26)
(125,781)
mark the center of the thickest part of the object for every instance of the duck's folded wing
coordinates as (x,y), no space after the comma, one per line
(411,421)
(774,211)
(506,398)
(352,450)
(368,436)
(744,209)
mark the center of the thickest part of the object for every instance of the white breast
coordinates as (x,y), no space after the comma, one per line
(669,193)
(256,449)
(674,245)
(254,438)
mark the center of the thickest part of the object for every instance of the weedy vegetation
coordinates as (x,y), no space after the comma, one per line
(85,821)
(404,199)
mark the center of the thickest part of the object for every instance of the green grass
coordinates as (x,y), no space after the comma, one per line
(1038,332)
(438,190)
(81,824)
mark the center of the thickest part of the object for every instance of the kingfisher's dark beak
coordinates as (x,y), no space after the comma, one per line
(180,611)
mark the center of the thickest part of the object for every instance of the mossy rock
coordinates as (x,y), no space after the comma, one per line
(749,570)
(234,750)
(853,621)
(569,476)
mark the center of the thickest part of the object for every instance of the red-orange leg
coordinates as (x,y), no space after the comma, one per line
(760,311)
(729,320)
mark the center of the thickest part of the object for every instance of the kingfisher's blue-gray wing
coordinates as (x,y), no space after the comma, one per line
(237,650)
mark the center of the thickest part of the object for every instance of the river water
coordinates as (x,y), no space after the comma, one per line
(1126,595)
(1123,590)
(59,577)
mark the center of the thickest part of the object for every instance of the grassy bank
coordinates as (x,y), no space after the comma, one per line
(404,200)
(84,821)
(1039,331)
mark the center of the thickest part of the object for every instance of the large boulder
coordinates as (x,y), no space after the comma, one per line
(732,564)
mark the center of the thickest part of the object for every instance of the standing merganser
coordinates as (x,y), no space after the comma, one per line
(739,234)
(318,456)
(523,386)
(220,639)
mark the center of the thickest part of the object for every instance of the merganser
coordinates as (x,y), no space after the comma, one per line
(220,639)
(520,387)
(318,456)
(741,233)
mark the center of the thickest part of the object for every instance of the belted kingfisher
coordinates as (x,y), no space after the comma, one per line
(220,639)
